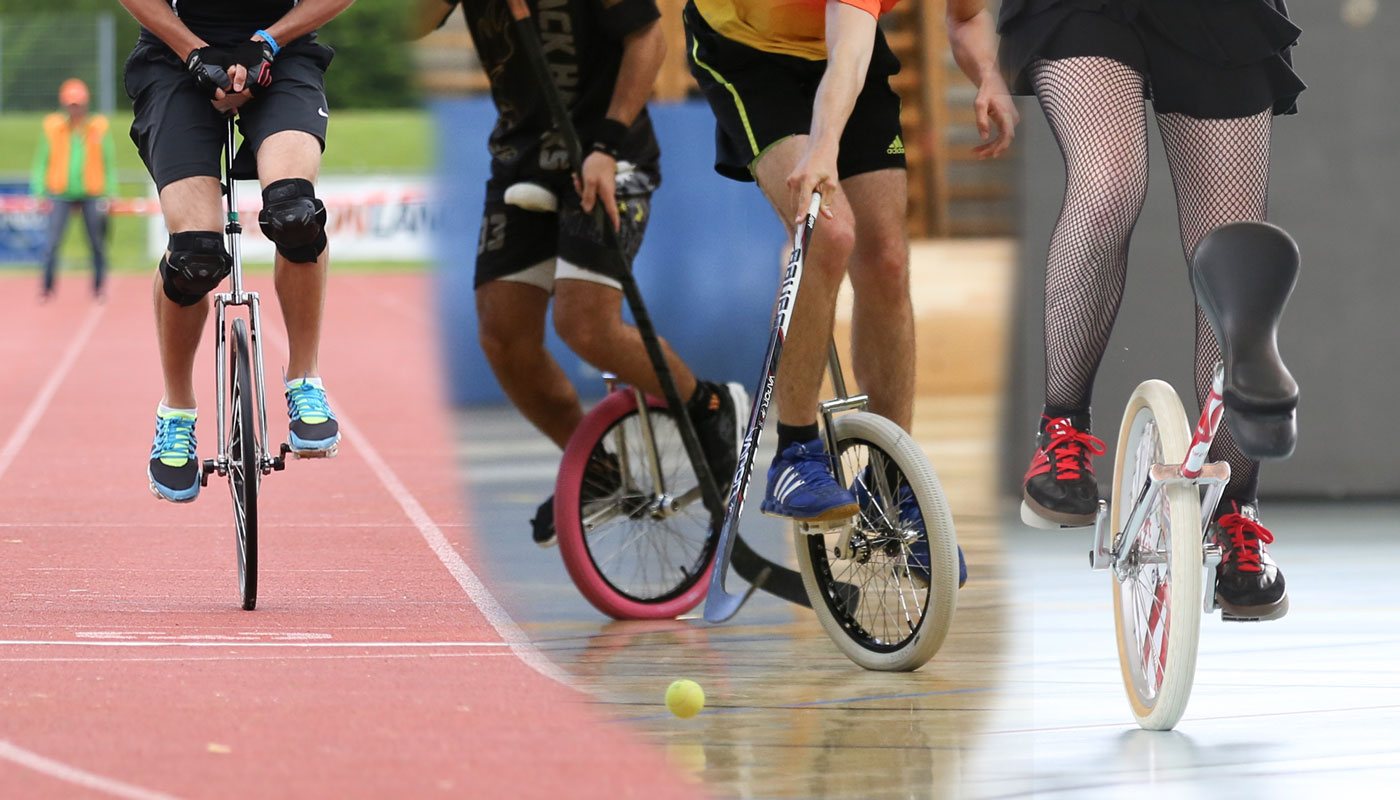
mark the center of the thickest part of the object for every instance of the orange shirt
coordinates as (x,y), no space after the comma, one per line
(790,27)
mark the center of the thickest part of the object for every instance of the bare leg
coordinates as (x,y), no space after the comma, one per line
(588,317)
(301,288)
(511,328)
(191,204)
(809,332)
(882,324)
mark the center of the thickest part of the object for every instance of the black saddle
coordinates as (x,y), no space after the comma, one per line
(1243,274)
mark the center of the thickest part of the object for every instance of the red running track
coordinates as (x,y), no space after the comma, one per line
(375,665)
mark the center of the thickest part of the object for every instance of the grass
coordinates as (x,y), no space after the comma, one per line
(359,142)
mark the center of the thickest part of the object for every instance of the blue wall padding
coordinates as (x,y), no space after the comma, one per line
(708,268)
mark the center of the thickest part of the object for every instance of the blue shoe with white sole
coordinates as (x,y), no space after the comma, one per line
(801,486)
(174,468)
(312,429)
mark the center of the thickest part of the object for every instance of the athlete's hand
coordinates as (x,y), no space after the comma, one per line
(816,172)
(995,107)
(210,74)
(599,185)
(256,55)
(238,94)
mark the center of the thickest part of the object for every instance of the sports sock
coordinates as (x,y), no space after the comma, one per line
(789,435)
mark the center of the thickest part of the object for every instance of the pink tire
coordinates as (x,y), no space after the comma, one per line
(634,562)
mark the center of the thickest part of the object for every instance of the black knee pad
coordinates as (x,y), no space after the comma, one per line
(294,219)
(197,264)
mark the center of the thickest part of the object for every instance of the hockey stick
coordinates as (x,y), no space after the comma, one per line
(751,566)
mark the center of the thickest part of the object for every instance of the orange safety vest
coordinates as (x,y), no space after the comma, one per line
(60,147)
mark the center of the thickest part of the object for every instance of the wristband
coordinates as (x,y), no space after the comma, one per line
(267,37)
(608,137)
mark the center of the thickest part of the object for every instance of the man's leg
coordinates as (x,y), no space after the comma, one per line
(882,324)
(800,482)
(95,221)
(588,317)
(511,319)
(58,220)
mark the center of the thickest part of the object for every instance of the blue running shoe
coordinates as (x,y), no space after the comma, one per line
(174,467)
(912,518)
(801,486)
(312,428)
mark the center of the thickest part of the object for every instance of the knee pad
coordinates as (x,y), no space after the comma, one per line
(197,264)
(294,219)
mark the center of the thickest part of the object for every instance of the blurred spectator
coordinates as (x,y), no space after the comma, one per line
(75,167)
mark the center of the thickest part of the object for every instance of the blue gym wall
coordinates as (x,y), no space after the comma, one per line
(708,267)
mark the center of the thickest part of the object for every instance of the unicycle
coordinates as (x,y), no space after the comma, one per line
(243,455)
(1149,535)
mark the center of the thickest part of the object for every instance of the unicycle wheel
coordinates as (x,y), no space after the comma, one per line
(633,550)
(244,472)
(907,572)
(1157,585)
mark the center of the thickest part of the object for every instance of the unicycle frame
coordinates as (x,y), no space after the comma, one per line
(237,296)
(1113,549)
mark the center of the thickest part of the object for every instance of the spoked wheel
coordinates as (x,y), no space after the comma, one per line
(244,474)
(634,551)
(906,572)
(1157,586)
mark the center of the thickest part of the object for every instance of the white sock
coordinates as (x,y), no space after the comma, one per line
(309,381)
(164,410)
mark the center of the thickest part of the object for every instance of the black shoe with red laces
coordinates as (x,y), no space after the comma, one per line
(1060,487)
(1248,584)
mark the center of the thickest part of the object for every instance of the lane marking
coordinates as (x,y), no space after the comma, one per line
(229,643)
(485,602)
(41,401)
(73,775)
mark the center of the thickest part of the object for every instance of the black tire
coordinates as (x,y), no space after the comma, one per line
(244,474)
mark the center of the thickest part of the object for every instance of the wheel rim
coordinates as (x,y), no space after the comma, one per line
(1145,590)
(880,559)
(238,480)
(642,551)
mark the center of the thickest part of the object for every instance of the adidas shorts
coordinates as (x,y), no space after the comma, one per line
(761,98)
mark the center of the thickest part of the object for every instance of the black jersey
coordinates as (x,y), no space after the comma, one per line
(582,43)
(221,22)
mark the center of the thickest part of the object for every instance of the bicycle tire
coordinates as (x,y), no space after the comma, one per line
(244,473)
(1155,430)
(849,627)
(684,578)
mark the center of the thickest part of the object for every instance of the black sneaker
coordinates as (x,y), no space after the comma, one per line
(1060,486)
(1248,584)
(717,424)
(601,479)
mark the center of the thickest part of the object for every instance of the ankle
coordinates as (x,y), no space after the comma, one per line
(789,435)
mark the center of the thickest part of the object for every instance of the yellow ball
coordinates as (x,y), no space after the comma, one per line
(685,698)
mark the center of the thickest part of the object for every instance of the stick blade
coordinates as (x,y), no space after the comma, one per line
(721,605)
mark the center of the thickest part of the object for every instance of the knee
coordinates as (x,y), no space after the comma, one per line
(830,252)
(1114,197)
(586,333)
(196,264)
(505,340)
(881,268)
(294,219)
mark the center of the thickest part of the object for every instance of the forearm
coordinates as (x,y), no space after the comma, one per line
(972,37)
(643,52)
(306,17)
(156,17)
(850,39)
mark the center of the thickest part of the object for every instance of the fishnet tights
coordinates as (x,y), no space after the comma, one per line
(1220,171)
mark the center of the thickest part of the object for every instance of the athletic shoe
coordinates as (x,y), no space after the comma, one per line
(174,468)
(1248,584)
(717,426)
(602,478)
(311,426)
(1060,487)
(910,517)
(801,486)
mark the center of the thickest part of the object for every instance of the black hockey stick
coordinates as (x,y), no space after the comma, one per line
(754,568)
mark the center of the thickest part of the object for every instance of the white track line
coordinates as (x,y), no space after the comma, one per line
(230,643)
(73,775)
(477,592)
(41,401)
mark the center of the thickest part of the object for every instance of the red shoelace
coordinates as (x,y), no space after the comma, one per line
(1067,448)
(1247,538)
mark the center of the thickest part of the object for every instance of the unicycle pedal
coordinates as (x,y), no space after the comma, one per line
(204,472)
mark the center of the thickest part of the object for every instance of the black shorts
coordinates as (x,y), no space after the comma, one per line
(1179,76)
(761,98)
(535,247)
(180,135)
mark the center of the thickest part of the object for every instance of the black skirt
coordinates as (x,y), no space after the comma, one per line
(1211,59)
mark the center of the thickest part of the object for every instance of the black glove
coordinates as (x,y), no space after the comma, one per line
(257,57)
(209,65)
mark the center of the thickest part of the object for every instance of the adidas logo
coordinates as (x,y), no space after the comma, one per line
(896,147)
